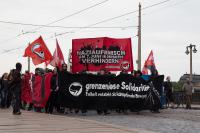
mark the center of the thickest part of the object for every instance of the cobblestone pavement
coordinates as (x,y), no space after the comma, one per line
(168,121)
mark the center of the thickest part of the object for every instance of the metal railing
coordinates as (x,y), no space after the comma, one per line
(179,95)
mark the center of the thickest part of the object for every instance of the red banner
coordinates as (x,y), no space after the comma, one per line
(93,54)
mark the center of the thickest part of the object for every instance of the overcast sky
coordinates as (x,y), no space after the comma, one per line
(166,29)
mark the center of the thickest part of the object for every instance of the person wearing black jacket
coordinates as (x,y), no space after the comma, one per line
(59,102)
(4,89)
(102,107)
(16,88)
(169,91)
(9,93)
(54,92)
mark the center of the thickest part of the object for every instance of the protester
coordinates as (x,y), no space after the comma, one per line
(4,90)
(133,73)
(154,73)
(16,88)
(64,67)
(157,104)
(122,109)
(187,87)
(51,103)
(26,94)
(168,89)
(138,74)
(60,108)
(82,106)
(39,73)
(123,71)
(102,106)
(9,95)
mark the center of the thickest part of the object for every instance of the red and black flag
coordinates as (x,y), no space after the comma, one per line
(149,64)
(38,51)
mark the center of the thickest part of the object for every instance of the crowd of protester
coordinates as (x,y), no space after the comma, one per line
(11,83)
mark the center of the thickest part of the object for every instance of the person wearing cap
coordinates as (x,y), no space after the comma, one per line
(187,88)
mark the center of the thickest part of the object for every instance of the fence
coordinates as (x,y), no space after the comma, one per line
(195,96)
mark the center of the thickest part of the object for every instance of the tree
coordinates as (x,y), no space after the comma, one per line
(177,86)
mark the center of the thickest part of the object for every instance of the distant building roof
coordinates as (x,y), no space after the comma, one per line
(195,78)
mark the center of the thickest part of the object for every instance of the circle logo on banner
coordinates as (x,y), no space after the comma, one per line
(75,89)
(125,65)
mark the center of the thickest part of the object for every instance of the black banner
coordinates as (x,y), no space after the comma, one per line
(87,91)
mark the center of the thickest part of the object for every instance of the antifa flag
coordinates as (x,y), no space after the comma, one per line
(41,89)
(58,58)
(149,64)
(38,51)
(87,91)
(93,54)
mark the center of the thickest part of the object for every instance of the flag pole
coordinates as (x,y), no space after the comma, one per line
(139,38)
(45,67)
(29,62)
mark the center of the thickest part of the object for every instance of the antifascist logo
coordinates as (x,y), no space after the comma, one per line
(75,89)
(36,50)
(125,65)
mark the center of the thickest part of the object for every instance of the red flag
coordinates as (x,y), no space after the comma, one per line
(149,64)
(38,51)
(26,94)
(41,89)
(58,58)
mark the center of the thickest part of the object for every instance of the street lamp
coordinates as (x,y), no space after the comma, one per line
(189,49)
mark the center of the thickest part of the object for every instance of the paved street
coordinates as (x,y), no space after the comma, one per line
(168,121)
(30,122)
